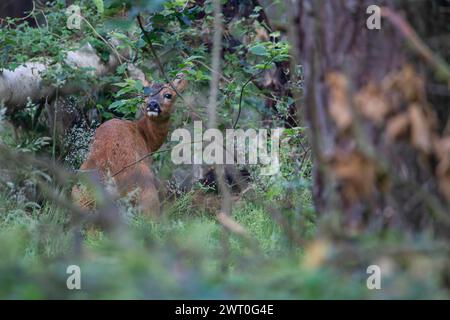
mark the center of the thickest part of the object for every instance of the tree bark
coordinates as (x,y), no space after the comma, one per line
(379,126)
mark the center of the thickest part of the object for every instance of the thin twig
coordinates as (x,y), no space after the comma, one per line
(148,40)
(148,155)
(54,126)
(152,50)
(207,67)
(243,88)
(29,15)
(225,211)
(408,32)
(119,57)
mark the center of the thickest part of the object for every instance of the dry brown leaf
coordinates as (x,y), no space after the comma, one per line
(442,148)
(444,185)
(372,103)
(231,224)
(420,129)
(412,85)
(355,173)
(270,79)
(262,34)
(339,107)
(408,82)
(398,126)
(442,151)
(315,254)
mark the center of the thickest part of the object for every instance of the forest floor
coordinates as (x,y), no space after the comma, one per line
(188,255)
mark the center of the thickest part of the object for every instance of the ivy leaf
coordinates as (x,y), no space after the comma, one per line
(259,50)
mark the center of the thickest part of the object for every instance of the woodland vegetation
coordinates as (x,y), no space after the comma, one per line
(364,156)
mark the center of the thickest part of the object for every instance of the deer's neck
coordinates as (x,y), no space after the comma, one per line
(154,132)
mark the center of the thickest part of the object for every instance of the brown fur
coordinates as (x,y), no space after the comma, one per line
(120,143)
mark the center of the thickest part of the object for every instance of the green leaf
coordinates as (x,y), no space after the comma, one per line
(117,104)
(120,84)
(257,9)
(259,50)
(120,36)
(192,58)
(275,34)
(99,5)
(281,58)
(122,68)
(123,91)
(138,86)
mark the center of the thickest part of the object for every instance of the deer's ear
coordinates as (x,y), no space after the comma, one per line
(180,83)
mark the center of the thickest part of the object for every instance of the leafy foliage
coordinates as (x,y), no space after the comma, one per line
(187,253)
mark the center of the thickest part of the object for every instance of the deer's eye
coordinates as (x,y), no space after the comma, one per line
(168,96)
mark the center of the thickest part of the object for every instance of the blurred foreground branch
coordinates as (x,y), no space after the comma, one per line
(441,67)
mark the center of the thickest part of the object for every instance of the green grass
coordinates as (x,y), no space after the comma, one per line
(177,257)
(181,256)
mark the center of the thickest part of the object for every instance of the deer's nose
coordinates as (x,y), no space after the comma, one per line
(153,106)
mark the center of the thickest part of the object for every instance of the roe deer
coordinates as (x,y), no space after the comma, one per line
(119,144)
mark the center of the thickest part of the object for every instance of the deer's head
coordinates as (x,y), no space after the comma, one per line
(160,98)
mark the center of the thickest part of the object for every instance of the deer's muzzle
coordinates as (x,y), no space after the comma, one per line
(153,109)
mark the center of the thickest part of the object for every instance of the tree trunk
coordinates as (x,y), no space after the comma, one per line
(376,102)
